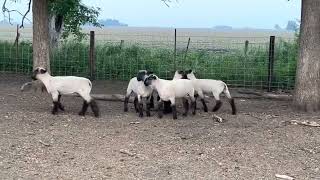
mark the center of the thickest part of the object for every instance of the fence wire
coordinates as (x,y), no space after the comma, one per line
(118,56)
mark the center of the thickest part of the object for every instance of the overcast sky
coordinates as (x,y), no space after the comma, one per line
(193,13)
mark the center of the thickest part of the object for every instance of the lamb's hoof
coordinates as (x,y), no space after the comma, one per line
(148,114)
(234,113)
(160,116)
(125,109)
(61,107)
(54,112)
(175,117)
(81,113)
(205,110)
(96,115)
(137,110)
(184,114)
(140,115)
(193,113)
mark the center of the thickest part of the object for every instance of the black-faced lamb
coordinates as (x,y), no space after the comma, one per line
(215,87)
(169,90)
(167,105)
(141,92)
(62,85)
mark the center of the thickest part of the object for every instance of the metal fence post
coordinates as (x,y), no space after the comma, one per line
(175,49)
(185,55)
(92,60)
(271,62)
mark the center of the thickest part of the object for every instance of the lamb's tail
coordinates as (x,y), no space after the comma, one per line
(231,100)
(90,84)
(226,91)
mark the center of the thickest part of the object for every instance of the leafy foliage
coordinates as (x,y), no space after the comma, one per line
(75,14)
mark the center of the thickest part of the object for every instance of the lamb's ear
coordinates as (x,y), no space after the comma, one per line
(149,72)
(180,72)
(42,71)
(189,71)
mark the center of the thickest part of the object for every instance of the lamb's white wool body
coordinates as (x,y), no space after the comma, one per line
(169,90)
(210,86)
(140,91)
(138,88)
(63,85)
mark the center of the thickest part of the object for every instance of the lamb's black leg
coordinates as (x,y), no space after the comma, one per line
(160,109)
(135,102)
(205,108)
(60,105)
(167,107)
(233,106)
(84,108)
(149,105)
(125,105)
(141,109)
(55,107)
(151,101)
(94,108)
(193,107)
(186,107)
(217,106)
(174,111)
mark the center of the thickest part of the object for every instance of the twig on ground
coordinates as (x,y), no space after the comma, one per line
(127,152)
(305,123)
(43,143)
(284,177)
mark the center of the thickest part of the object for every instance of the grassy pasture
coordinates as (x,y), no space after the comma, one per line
(218,55)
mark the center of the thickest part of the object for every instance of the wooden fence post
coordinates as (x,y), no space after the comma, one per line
(271,62)
(246,45)
(92,60)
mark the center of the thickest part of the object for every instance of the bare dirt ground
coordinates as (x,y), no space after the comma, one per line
(256,143)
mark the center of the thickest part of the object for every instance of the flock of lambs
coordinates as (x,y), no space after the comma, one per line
(183,85)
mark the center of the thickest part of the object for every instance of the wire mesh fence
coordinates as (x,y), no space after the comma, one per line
(239,61)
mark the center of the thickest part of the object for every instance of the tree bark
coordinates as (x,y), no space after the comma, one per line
(307,87)
(40,34)
(55,30)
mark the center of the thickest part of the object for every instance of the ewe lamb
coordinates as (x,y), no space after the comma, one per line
(137,87)
(169,90)
(215,87)
(62,85)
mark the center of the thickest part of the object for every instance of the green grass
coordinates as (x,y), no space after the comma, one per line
(122,63)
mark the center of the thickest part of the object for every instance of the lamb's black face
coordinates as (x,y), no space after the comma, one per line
(149,79)
(142,74)
(183,74)
(38,70)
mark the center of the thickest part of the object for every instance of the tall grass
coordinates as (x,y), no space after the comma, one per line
(121,63)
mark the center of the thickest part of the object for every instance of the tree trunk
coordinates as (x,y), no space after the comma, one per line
(307,87)
(40,34)
(55,30)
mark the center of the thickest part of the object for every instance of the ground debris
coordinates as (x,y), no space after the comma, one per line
(43,143)
(136,122)
(127,152)
(217,118)
(284,177)
(304,123)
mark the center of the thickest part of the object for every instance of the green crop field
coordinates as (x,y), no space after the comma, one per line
(212,54)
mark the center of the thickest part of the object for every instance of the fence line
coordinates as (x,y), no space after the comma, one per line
(248,62)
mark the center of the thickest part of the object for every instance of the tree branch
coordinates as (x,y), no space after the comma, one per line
(24,17)
(6,10)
